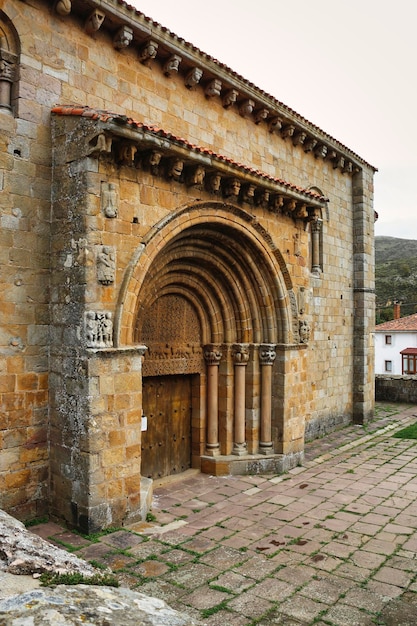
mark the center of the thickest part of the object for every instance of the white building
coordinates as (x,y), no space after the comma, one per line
(396,346)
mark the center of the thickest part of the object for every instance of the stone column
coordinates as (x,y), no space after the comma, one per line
(8,63)
(267,357)
(316,226)
(240,353)
(212,356)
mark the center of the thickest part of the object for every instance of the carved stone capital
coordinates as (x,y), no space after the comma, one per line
(8,65)
(267,353)
(212,354)
(123,37)
(240,353)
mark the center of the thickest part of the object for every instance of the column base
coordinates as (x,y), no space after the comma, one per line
(240,449)
(212,449)
(266,448)
(250,464)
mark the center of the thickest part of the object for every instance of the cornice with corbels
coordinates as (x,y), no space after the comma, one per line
(157,46)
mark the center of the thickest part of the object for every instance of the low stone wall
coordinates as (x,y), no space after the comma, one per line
(396,388)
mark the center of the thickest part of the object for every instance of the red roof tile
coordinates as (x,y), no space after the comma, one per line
(106,116)
(403,324)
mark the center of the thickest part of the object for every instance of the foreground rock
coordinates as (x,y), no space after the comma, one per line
(90,606)
(22,552)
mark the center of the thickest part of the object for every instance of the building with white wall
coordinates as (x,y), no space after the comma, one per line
(396,346)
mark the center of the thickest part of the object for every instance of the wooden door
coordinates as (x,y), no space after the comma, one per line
(166,444)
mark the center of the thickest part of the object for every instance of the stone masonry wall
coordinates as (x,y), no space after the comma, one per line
(396,388)
(47,259)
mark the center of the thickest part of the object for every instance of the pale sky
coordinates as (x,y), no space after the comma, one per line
(348,67)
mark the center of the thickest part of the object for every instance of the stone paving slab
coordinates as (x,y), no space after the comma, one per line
(332,543)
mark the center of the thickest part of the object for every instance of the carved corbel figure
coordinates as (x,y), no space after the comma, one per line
(126,153)
(94,21)
(213,88)
(287,131)
(152,162)
(262,197)
(148,52)
(340,163)
(101,143)
(123,37)
(299,138)
(320,151)
(304,330)
(229,98)
(260,115)
(213,183)
(232,188)
(347,168)
(310,144)
(193,77)
(63,7)
(277,204)
(175,168)
(290,206)
(248,194)
(196,176)
(275,124)
(301,212)
(172,65)
(246,108)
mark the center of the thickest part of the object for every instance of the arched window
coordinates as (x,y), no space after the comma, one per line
(9,64)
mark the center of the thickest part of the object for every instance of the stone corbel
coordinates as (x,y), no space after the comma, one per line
(172,65)
(230,98)
(262,197)
(320,151)
(260,115)
(213,183)
(287,131)
(101,143)
(248,194)
(148,52)
(151,161)
(277,203)
(232,188)
(195,177)
(126,153)
(347,168)
(246,108)
(175,169)
(63,7)
(193,77)
(301,211)
(310,144)
(213,88)
(123,37)
(275,124)
(290,207)
(299,138)
(94,21)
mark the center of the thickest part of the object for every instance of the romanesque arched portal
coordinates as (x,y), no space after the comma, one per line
(212,303)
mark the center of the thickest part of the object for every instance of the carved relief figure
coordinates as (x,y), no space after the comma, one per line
(175,169)
(232,188)
(196,176)
(172,65)
(99,329)
(109,199)
(304,331)
(106,265)
(214,182)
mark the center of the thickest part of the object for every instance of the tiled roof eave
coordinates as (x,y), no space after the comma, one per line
(144,137)
(144,28)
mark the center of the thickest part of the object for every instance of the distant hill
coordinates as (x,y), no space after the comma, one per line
(395,276)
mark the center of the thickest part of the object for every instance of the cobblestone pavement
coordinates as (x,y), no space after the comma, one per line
(333,542)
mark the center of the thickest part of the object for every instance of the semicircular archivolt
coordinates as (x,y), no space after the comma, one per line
(219,277)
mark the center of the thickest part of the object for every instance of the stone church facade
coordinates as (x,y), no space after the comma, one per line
(187,267)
